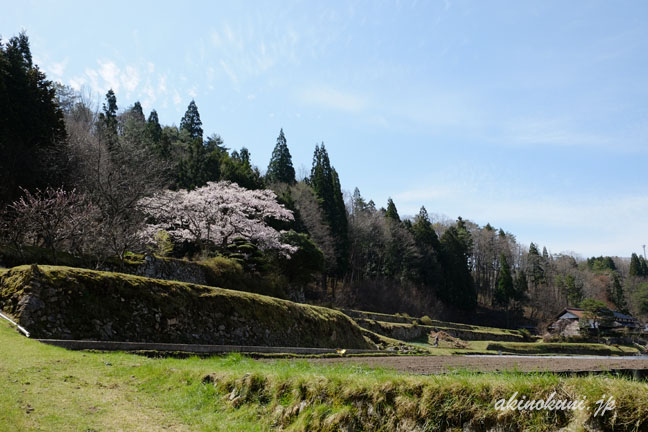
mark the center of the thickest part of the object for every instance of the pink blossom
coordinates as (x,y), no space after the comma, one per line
(217,213)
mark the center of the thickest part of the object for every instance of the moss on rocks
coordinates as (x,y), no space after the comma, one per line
(73,303)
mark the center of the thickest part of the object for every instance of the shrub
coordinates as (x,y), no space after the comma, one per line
(223,271)
(426,320)
(163,243)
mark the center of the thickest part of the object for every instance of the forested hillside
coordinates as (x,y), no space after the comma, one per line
(103,182)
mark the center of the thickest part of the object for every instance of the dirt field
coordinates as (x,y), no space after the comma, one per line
(443,364)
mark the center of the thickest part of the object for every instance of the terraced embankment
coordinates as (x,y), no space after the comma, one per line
(417,329)
(71,303)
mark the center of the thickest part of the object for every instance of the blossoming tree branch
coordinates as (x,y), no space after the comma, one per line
(216,214)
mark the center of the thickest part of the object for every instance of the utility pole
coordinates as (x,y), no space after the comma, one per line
(644,246)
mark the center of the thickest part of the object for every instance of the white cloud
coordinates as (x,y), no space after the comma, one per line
(77,83)
(130,79)
(109,72)
(57,69)
(162,86)
(334,99)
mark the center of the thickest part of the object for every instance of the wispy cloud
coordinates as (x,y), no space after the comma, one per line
(229,72)
(130,79)
(331,98)
(57,69)
(251,48)
(140,81)
(556,132)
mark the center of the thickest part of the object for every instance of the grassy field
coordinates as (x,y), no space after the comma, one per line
(48,388)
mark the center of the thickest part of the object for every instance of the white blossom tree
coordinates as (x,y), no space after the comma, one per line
(216,214)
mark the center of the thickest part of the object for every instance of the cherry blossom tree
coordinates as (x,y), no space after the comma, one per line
(215,215)
(54,219)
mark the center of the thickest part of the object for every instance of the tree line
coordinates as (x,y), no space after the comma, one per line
(103,182)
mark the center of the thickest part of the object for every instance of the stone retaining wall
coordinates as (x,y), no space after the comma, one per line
(70,303)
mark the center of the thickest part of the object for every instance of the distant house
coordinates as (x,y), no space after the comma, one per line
(570,321)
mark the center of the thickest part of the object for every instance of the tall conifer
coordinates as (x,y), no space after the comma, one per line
(280,168)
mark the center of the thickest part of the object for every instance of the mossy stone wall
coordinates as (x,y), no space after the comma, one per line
(71,303)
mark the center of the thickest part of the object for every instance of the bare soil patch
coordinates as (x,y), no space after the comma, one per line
(444,364)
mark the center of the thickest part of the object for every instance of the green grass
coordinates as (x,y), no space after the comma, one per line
(48,388)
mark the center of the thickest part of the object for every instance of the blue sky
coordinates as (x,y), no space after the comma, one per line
(530,115)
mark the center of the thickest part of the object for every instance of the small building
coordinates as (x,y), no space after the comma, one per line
(570,321)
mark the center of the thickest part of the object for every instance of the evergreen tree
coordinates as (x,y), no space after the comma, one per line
(427,242)
(391,212)
(192,169)
(137,112)
(423,231)
(635,266)
(536,266)
(216,153)
(280,168)
(359,204)
(32,131)
(238,169)
(153,127)
(191,121)
(458,286)
(505,290)
(108,119)
(521,286)
(644,266)
(154,134)
(616,294)
(325,182)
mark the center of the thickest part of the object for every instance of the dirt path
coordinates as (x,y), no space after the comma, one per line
(443,364)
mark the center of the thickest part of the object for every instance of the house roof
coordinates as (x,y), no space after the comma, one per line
(621,316)
(578,312)
(574,311)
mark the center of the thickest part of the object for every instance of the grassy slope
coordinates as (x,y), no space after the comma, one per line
(48,388)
